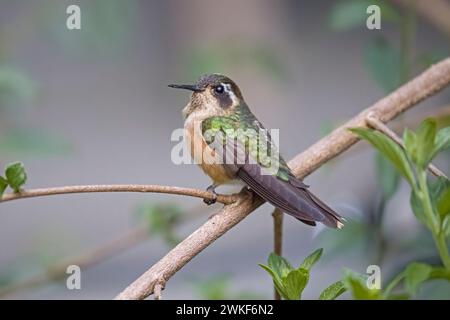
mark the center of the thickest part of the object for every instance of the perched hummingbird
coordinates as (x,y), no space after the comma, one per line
(217,106)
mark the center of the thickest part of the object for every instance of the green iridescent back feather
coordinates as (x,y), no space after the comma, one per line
(243,126)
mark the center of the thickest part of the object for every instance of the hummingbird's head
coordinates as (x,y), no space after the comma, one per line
(213,95)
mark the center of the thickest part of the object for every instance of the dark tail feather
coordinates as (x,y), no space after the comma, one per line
(332,218)
(290,196)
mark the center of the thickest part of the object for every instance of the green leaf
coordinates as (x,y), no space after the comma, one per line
(3,186)
(410,143)
(417,208)
(279,265)
(446,226)
(162,220)
(353,13)
(425,144)
(295,282)
(387,176)
(442,141)
(357,285)
(16,175)
(440,196)
(278,268)
(348,14)
(389,149)
(398,296)
(333,291)
(311,259)
(276,280)
(383,61)
(213,288)
(415,274)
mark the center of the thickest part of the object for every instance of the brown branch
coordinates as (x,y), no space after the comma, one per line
(380,126)
(428,83)
(32,193)
(277,215)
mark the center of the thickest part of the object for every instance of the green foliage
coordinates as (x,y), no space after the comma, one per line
(421,147)
(25,141)
(15,177)
(3,185)
(442,140)
(356,284)
(383,62)
(290,282)
(218,288)
(333,291)
(353,13)
(440,193)
(312,259)
(15,87)
(430,201)
(389,149)
(162,220)
(415,275)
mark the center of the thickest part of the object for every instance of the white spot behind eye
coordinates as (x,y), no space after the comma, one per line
(230,92)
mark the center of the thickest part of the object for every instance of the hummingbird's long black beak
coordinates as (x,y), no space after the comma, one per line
(186,87)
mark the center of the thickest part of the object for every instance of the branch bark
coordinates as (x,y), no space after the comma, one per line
(428,83)
(32,193)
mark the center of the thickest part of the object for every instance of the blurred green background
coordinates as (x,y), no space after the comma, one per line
(92,106)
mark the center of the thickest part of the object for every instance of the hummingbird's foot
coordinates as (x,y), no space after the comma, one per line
(211,189)
(247,191)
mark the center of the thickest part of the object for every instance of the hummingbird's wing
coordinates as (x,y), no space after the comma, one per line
(247,151)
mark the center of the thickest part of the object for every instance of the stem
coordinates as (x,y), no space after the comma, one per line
(393,284)
(441,244)
(438,235)
(277,240)
(426,202)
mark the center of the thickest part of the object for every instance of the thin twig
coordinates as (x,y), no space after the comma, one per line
(428,83)
(277,215)
(380,126)
(159,286)
(32,193)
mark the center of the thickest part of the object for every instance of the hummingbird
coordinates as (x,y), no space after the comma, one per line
(217,105)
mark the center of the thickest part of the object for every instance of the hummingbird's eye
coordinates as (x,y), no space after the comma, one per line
(219,89)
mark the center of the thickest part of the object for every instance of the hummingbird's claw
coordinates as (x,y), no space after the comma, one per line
(212,190)
(210,201)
